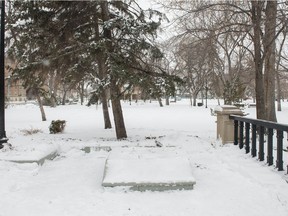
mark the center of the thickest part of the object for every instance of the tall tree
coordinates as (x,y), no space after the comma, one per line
(102,69)
(115,91)
(113,37)
(196,66)
(270,59)
(259,21)
(127,34)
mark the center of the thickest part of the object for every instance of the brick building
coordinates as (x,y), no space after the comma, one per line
(14,91)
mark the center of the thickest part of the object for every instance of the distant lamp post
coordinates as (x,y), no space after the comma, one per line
(3,138)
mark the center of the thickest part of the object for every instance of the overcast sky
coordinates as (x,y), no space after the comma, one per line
(145,4)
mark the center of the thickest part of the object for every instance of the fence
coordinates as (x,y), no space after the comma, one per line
(261,128)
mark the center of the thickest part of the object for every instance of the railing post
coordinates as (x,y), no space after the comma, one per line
(270,147)
(261,144)
(247,137)
(254,149)
(241,136)
(236,128)
(279,162)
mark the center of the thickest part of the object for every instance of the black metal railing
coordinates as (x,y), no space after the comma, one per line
(261,128)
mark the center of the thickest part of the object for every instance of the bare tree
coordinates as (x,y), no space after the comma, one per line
(195,57)
(270,59)
(258,21)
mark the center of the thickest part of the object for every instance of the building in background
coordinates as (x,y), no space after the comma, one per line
(14,90)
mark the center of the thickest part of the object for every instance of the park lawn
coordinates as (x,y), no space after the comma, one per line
(228,181)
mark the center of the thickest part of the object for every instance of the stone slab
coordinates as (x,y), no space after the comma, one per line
(37,158)
(155,174)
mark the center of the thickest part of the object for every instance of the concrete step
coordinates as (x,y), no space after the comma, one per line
(155,174)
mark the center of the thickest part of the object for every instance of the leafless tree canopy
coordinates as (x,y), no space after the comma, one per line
(244,40)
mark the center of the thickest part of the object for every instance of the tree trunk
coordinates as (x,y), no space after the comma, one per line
(278,83)
(167,101)
(258,61)
(202,97)
(279,93)
(194,100)
(64,97)
(81,92)
(117,111)
(107,122)
(43,115)
(53,100)
(81,99)
(102,73)
(160,101)
(52,90)
(270,59)
(114,88)
(191,99)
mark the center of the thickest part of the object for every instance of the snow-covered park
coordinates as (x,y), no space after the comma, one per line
(228,181)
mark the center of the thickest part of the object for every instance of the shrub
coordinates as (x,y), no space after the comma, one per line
(57,126)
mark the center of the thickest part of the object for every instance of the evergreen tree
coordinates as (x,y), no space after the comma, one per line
(113,40)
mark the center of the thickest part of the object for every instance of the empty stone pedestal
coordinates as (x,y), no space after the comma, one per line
(225,126)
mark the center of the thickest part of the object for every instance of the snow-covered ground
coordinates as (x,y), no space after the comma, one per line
(228,181)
